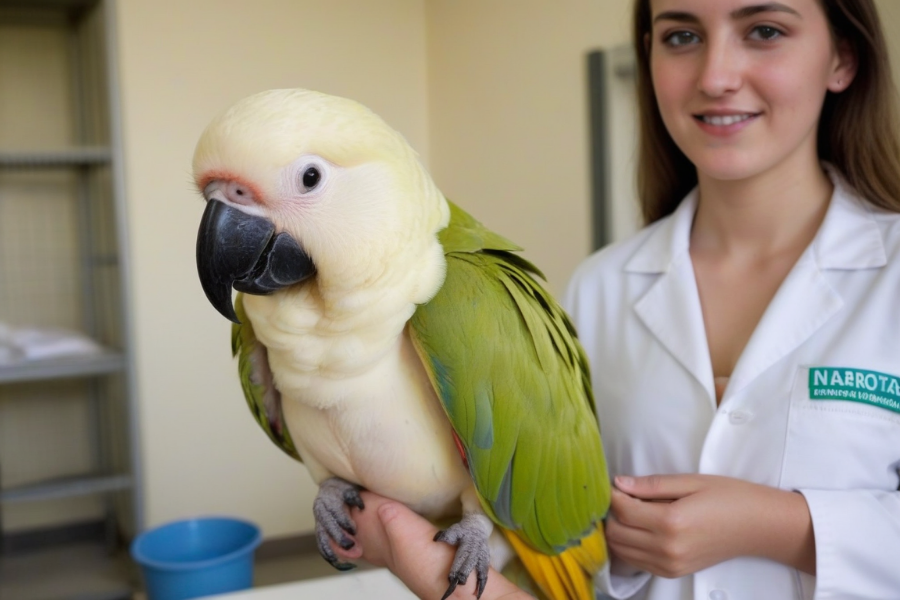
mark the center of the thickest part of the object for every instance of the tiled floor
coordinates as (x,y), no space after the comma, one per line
(86,572)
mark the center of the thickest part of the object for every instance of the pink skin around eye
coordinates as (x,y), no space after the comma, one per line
(240,185)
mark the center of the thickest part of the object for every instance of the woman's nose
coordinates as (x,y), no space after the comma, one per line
(721,71)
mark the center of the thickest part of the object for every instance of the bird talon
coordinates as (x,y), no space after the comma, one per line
(346,543)
(352,498)
(343,566)
(472,553)
(333,521)
(331,557)
(479,587)
(338,564)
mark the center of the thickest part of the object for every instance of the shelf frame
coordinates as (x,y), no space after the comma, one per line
(66,487)
(103,152)
(104,363)
(84,156)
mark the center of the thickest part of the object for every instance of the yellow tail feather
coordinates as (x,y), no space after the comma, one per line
(566,576)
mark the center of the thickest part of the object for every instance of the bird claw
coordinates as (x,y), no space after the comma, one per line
(472,554)
(322,541)
(333,521)
(352,497)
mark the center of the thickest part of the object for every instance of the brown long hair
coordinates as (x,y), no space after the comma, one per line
(858,128)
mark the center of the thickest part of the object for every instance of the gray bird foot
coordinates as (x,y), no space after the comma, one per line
(333,521)
(472,552)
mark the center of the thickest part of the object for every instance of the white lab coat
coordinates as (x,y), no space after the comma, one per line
(636,307)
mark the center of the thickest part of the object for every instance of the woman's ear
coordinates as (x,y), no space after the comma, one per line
(846,64)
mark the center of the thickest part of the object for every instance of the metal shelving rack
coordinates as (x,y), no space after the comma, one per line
(41,370)
(86,247)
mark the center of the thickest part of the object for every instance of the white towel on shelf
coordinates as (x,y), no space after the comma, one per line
(9,351)
(37,343)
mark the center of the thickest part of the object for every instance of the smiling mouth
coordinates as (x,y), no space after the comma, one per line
(725,120)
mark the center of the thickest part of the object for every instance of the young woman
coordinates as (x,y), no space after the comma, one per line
(745,345)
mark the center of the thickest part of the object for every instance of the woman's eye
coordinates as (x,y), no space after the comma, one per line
(765,33)
(681,38)
(310,178)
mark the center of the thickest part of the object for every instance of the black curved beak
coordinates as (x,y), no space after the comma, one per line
(238,250)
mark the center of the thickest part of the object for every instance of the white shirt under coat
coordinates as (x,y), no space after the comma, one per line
(637,311)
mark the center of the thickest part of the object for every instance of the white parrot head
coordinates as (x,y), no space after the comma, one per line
(304,185)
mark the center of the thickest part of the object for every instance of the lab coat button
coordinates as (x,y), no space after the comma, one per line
(738,417)
(718,595)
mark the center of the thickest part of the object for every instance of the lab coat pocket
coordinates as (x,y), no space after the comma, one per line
(843,430)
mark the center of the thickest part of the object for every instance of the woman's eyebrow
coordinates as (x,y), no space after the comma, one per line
(741,13)
(673,15)
(749,11)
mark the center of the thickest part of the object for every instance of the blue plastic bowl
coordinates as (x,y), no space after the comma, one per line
(197,557)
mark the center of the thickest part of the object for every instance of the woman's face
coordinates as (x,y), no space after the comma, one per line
(740,83)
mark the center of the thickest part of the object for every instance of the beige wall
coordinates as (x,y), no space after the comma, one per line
(889,11)
(181,62)
(508,116)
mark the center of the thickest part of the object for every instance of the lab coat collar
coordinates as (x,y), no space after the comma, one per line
(849,238)
(669,239)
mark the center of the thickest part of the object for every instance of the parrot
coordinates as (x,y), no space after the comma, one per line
(390,342)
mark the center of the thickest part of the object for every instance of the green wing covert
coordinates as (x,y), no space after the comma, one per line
(262,397)
(504,359)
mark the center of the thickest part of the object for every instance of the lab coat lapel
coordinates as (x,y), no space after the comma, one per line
(848,239)
(671,307)
(803,303)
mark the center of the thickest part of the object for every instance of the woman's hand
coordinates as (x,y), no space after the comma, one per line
(675,525)
(388,534)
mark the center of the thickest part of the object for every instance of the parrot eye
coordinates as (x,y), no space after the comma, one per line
(307,177)
(311,178)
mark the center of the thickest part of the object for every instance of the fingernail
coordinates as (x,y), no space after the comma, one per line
(622,480)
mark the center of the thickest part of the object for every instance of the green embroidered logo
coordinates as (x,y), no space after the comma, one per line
(856,385)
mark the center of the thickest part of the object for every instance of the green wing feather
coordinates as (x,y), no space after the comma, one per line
(514,381)
(262,397)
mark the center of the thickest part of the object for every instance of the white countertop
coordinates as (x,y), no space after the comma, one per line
(373,584)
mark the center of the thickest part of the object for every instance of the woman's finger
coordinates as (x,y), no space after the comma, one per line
(638,558)
(618,533)
(637,513)
(661,487)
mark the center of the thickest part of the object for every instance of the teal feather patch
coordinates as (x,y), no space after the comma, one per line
(484,420)
(442,379)
(503,504)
